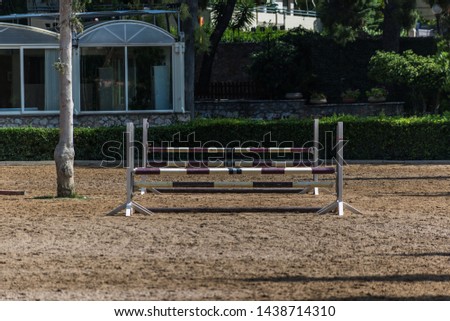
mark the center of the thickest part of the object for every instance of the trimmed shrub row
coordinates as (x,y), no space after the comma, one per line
(373,138)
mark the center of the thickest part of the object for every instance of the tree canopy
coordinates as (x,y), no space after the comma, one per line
(345,20)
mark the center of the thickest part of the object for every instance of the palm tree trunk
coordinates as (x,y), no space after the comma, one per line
(391,27)
(64,152)
(216,36)
(189,26)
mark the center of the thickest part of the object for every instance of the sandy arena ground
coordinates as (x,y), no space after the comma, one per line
(67,249)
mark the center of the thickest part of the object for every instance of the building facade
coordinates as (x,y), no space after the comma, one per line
(119,67)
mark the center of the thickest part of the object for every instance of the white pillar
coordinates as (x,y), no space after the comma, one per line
(178,77)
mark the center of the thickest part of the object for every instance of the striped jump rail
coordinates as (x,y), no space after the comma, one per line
(230,163)
(230,187)
(233,171)
(336,206)
(240,150)
(169,184)
(12,192)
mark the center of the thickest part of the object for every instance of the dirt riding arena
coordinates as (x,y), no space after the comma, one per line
(68,249)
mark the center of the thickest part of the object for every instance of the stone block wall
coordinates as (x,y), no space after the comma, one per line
(278,109)
(255,109)
(101,120)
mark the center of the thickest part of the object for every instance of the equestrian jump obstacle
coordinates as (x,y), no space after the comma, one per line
(233,187)
(234,167)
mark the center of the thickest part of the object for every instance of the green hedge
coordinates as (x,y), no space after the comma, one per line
(389,138)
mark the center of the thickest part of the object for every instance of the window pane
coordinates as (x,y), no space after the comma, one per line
(102,79)
(33,63)
(149,78)
(10,79)
(41,79)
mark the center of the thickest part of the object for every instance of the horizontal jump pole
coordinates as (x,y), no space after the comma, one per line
(202,190)
(234,171)
(7,192)
(229,163)
(213,150)
(233,209)
(286,185)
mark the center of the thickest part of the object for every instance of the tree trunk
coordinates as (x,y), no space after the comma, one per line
(189,26)
(391,28)
(64,152)
(216,36)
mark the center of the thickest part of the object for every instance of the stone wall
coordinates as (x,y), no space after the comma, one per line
(100,120)
(256,109)
(271,109)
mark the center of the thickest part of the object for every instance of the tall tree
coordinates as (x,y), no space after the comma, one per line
(445,4)
(189,26)
(443,19)
(344,20)
(13,6)
(243,16)
(225,13)
(398,15)
(64,152)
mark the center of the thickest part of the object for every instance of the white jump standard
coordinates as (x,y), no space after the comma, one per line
(265,187)
(339,205)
